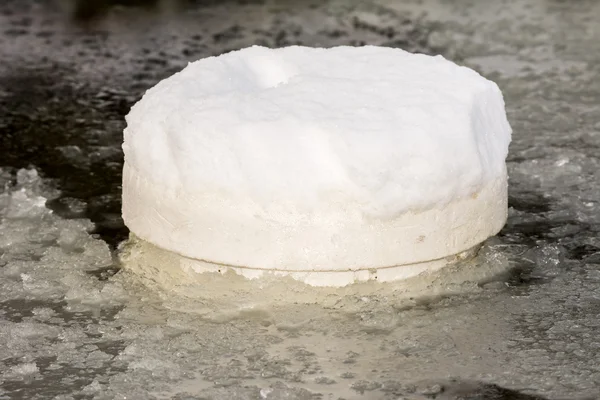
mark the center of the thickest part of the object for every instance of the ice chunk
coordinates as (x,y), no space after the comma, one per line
(22,371)
(308,159)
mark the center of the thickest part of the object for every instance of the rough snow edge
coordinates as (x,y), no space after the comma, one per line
(216,229)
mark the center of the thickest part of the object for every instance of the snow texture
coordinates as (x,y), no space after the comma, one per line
(380,129)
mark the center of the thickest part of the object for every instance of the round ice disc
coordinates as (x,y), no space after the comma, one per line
(328,165)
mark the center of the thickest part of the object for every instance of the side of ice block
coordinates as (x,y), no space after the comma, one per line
(224,232)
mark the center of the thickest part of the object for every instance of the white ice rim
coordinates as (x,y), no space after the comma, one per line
(216,232)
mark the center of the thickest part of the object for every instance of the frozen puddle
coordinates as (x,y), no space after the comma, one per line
(70,328)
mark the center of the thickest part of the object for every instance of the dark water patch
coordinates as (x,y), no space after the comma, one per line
(72,133)
(15,310)
(89,10)
(531,202)
(105,273)
(525,276)
(459,390)
(551,230)
(580,251)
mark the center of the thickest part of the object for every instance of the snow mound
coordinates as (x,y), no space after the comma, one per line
(317,159)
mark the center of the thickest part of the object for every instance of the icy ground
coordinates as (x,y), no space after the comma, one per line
(72,327)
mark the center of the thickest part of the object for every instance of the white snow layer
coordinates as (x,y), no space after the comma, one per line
(381,129)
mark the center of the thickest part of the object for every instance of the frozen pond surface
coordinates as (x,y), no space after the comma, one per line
(73,328)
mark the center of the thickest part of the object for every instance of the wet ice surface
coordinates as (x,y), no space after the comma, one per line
(72,328)
(69,327)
